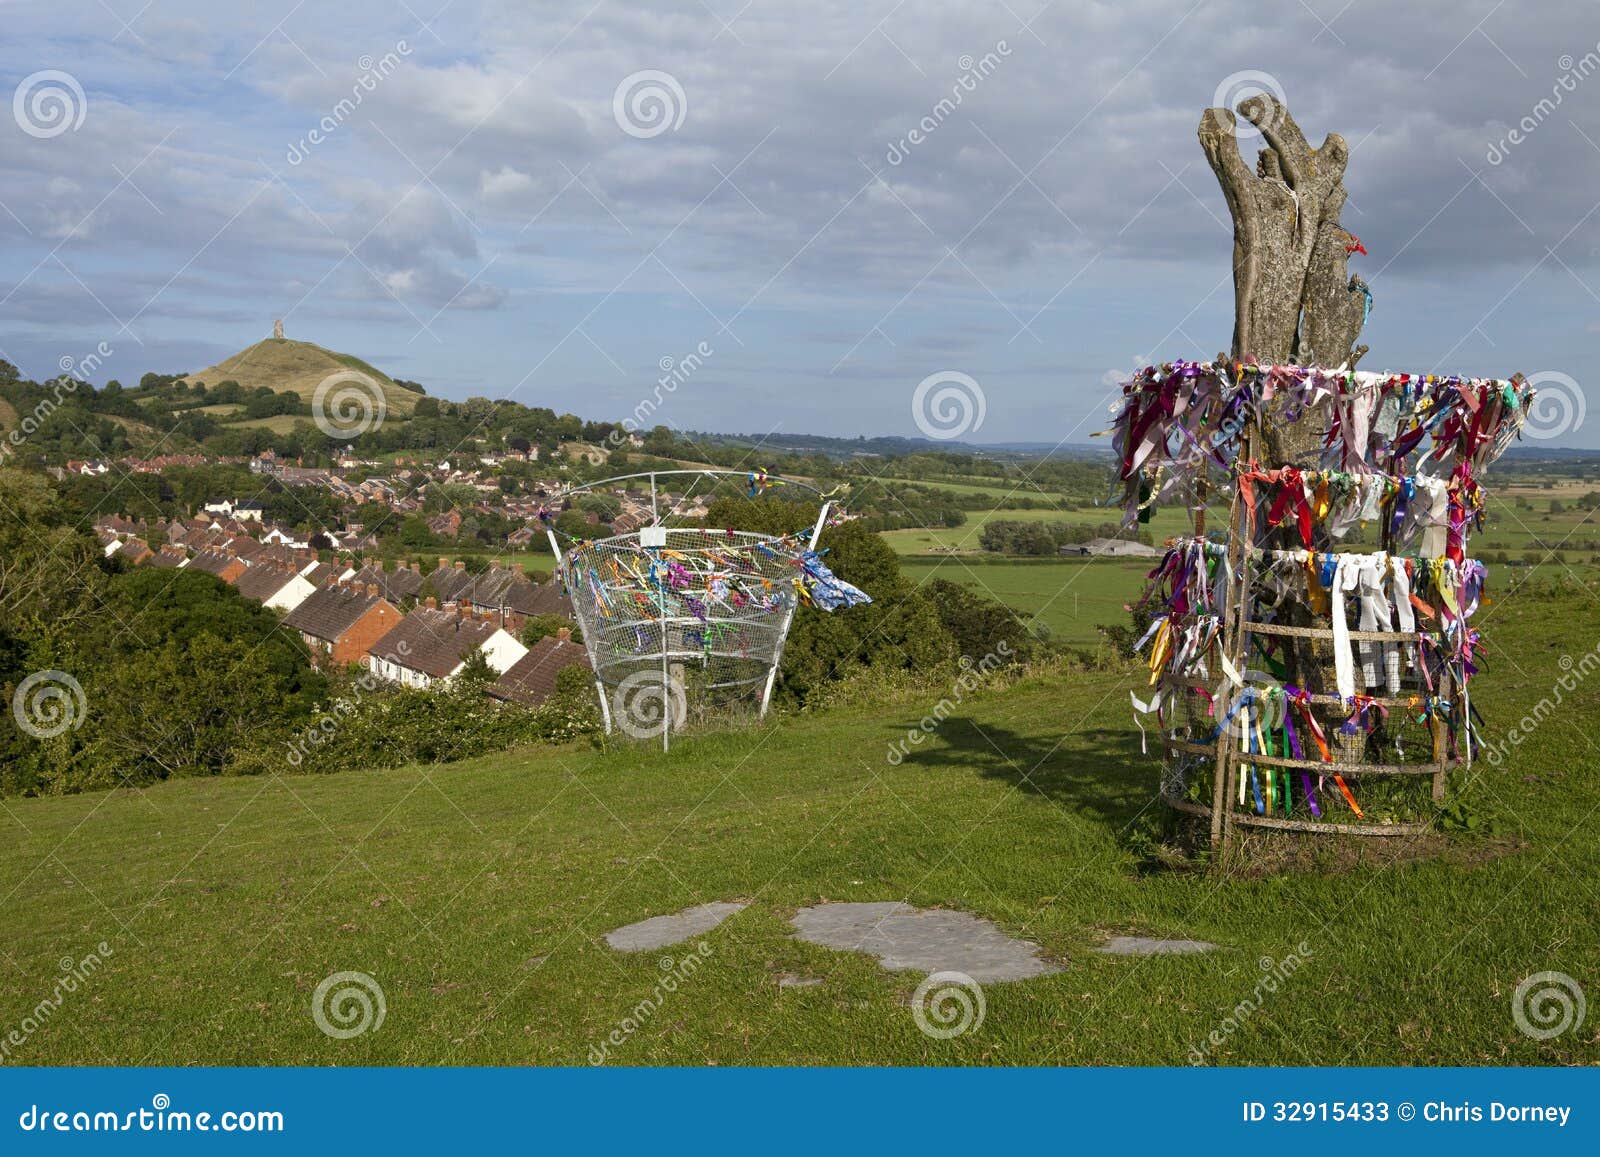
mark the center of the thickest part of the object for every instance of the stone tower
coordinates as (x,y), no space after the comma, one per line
(277,329)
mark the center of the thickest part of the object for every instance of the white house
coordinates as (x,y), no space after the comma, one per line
(431,646)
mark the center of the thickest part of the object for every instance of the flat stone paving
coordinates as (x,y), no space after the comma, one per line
(661,931)
(1151,946)
(903,938)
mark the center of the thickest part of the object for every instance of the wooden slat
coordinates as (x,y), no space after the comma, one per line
(1350,769)
(1329,699)
(1332,828)
(1327,633)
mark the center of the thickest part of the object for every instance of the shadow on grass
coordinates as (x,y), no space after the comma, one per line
(1100,772)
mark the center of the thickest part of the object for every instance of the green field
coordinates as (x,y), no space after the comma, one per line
(1069,597)
(1165,523)
(476,894)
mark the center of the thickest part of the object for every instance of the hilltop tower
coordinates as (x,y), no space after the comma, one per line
(277,329)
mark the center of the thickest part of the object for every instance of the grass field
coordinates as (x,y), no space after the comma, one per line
(278,423)
(476,894)
(964,539)
(1070,597)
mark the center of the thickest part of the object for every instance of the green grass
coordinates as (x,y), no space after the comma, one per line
(1069,597)
(278,423)
(964,539)
(476,895)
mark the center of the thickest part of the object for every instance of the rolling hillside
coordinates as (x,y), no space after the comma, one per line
(298,366)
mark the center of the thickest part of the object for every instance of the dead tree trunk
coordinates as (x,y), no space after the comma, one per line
(1294,300)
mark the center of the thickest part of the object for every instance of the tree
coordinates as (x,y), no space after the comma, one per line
(475,671)
(1293,299)
(189,706)
(899,629)
(539,626)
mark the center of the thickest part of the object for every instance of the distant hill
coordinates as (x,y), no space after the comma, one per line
(298,366)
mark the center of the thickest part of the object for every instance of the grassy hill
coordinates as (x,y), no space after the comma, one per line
(298,366)
(476,895)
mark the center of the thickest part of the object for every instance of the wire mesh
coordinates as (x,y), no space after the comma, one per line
(715,602)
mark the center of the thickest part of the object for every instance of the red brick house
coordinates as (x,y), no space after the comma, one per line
(340,624)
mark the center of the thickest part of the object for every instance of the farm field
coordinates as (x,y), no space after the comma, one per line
(278,423)
(476,895)
(1069,597)
(964,538)
(1000,491)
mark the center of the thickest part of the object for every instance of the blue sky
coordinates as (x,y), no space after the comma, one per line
(486,221)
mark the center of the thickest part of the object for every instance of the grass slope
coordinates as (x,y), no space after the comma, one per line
(476,895)
(298,366)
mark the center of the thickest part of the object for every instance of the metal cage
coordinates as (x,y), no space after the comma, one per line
(667,611)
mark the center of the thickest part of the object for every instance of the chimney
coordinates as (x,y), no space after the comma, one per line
(431,603)
(444,564)
(372,590)
(460,565)
(564,634)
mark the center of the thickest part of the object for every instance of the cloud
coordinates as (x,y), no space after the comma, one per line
(1054,208)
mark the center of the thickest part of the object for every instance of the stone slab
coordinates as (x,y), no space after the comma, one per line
(904,938)
(663,931)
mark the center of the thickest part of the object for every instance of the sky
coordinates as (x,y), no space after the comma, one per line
(563,203)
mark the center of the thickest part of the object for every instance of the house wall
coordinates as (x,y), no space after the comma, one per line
(502,651)
(296,591)
(356,643)
(395,673)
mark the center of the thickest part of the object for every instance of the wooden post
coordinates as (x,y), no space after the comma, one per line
(1441,730)
(1235,641)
